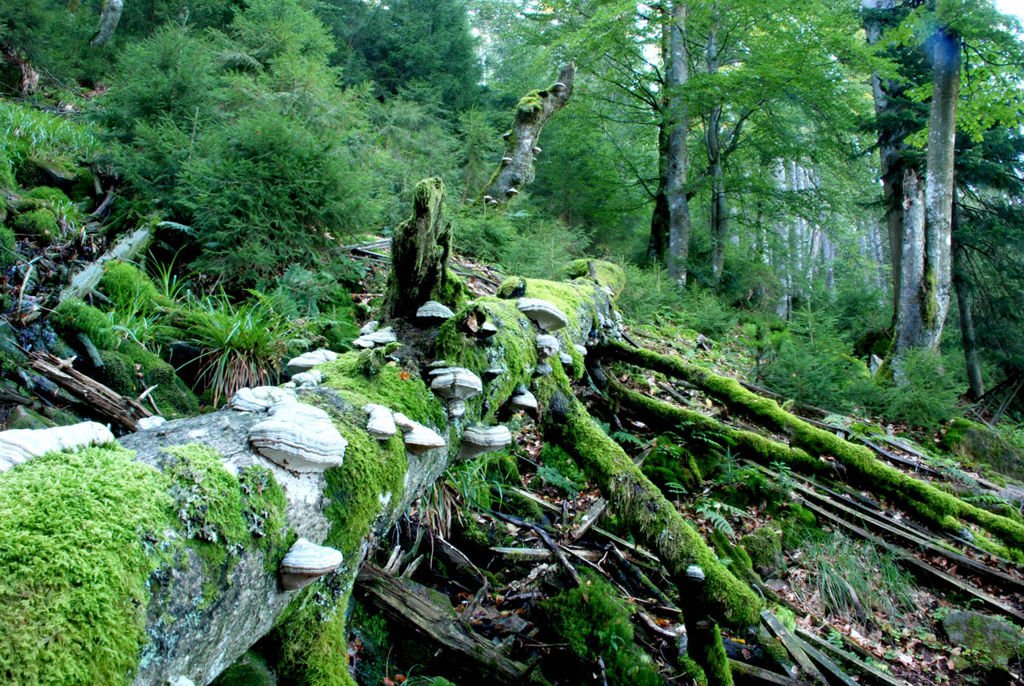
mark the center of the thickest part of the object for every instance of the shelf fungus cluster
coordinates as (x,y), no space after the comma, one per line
(296,436)
(432,312)
(376,338)
(480,439)
(306,361)
(455,385)
(306,562)
(19,445)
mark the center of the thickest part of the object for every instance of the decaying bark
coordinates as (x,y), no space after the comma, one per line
(521,146)
(419,254)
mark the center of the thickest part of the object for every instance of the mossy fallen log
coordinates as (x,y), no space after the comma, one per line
(921,498)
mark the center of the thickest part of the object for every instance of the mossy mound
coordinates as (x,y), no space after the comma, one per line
(129,289)
(764,547)
(248,670)
(992,641)
(979,445)
(131,367)
(74,564)
(8,245)
(604,273)
(40,223)
(594,622)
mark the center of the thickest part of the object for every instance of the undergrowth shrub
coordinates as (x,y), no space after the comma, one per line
(28,134)
(928,393)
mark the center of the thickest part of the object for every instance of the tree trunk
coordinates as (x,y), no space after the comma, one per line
(965,304)
(926,260)
(713,141)
(891,147)
(521,146)
(419,253)
(670,223)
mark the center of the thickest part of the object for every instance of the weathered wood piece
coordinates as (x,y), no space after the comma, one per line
(532,113)
(124,411)
(793,647)
(751,675)
(128,247)
(412,605)
(419,254)
(871,674)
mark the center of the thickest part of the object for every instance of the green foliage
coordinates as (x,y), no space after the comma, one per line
(854,579)
(242,344)
(8,248)
(929,395)
(40,224)
(129,289)
(595,623)
(75,565)
(28,135)
(525,242)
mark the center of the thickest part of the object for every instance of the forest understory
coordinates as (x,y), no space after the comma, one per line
(450,342)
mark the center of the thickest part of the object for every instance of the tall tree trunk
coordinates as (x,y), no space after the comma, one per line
(670,224)
(965,303)
(927,260)
(891,147)
(713,140)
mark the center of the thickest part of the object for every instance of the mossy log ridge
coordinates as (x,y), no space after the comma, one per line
(940,508)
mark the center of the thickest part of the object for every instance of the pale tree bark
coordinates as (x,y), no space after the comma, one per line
(926,274)
(670,223)
(109,18)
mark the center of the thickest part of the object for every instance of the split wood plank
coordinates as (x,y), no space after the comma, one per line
(870,672)
(745,674)
(792,645)
(413,605)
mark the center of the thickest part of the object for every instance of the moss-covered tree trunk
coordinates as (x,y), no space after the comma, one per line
(522,142)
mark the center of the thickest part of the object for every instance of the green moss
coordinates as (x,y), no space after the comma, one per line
(604,273)
(981,446)
(706,648)
(530,104)
(41,223)
(48,195)
(130,289)
(313,641)
(361,379)
(513,347)
(917,496)
(594,622)
(8,247)
(641,505)
(764,547)
(73,316)
(131,368)
(73,565)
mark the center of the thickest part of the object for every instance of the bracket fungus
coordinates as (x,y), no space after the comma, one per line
(523,399)
(419,439)
(306,562)
(545,314)
(299,437)
(455,384)
(379,337)
(369,327)
(310,379)
(404,424)
(260,398)
(477,440)
(547,346)
(307,361)
(381,422)
(150,423)
(566,358)
(19,445)
(433,312)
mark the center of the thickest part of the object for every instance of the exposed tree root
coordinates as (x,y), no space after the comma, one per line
(924,499)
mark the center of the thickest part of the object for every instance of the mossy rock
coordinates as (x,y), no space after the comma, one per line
(248,670)
(993,641)
(47,195)
(73,316)
(131,367)
(27,418)
(978,444)
(764,546)
(40,223)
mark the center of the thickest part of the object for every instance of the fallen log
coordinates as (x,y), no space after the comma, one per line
(127,248)
(415,607)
